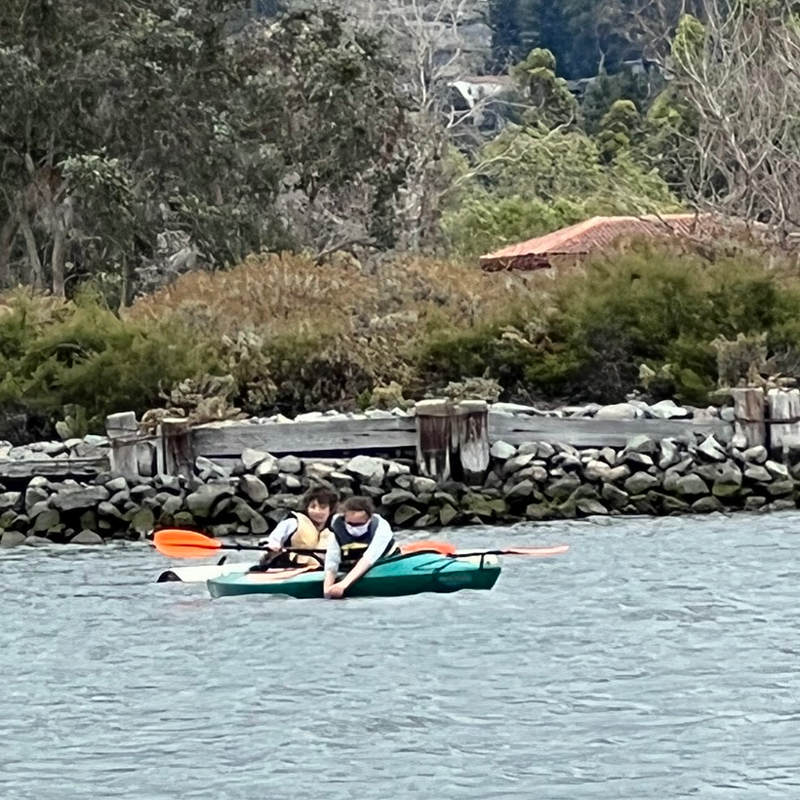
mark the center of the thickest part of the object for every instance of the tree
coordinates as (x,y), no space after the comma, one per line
(125,121)
(737,70)
(549,100)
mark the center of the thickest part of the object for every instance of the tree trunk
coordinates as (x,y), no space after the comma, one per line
(35,272)
(57,259)
(7,235)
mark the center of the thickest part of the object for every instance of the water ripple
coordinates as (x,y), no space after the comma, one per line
(658,660)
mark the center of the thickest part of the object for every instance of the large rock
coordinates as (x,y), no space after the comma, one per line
(637,459)
(779,488)
(712,449)
(641,443)
(251,458)
(691,486)
(319,472)
(503,451)
(545,450)
(666,409)
(367,469)
(706,505)
(254,488)
(777,470)
(521,491)
(670,454)
(202,502)
(533,473)
(754,503)
(397,497)
(756,455)
(420,484)
(596,471)
(143,522)
(11,538)
(290,465)
(618,474)
(79,498)
(46,521)
(619,411)
(615,496)
(406,514)
(755,472)
(640,482)
(117,485)
(38,491)
(563,487)
(517,463)
(268,468)
(87,538)
(447,513)
(591,508)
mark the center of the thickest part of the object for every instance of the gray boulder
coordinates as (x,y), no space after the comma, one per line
(503,451)
(640,482)
(201,503)
(87,538)
(79,498)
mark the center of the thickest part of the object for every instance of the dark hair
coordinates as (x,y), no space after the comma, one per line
(358,503)
(324,495)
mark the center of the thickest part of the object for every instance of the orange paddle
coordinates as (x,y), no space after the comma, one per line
(177,543)
(447,549)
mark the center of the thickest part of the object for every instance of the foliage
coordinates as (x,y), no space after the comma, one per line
(127,119)
(529,182)
(59,358)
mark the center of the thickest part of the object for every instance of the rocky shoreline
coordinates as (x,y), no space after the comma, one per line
(535,481)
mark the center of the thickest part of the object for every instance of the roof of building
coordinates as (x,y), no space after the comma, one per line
(594,234)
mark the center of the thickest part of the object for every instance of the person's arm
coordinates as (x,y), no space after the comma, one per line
(283,530)
(377,547)
(333,559)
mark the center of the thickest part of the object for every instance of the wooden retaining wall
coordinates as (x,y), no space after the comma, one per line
(447,439)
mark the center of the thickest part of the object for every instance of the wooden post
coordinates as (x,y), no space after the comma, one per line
(123,434)
(471,435)
(749,427)
(175,452)
(784,404)
(433,438)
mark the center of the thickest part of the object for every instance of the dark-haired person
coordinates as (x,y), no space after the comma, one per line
(307,529)
(359,537)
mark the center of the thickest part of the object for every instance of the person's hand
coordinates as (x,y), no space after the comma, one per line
(336,592)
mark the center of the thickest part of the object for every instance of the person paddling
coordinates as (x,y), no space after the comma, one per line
(359,537)
(307,529)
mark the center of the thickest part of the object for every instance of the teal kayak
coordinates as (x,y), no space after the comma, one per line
(392,577)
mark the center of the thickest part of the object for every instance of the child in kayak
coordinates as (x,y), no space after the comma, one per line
(306,529)
(359,537)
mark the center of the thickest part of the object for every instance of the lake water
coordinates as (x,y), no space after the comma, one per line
(658,659)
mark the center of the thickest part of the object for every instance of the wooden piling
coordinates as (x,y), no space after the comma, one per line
(433,438)
(750,429)
(123,434)
(470,426)
(784,416)
(175,450)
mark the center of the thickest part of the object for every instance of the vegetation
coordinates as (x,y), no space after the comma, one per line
(281,333)
(142,140)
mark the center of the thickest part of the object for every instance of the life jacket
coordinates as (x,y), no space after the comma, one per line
(307,537)
(353,548)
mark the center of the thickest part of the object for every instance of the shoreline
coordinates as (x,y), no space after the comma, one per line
(534,481)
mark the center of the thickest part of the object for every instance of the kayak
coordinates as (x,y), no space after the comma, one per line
(203,573)
(396,576)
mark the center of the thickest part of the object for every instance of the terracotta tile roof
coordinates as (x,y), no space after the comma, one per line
(587,236)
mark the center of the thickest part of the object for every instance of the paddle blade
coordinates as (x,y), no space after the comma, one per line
(176,543)
(445,548)
(536,552)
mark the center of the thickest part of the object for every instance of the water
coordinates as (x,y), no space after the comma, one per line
(657,660)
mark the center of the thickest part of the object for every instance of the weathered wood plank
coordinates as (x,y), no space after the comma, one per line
(53,468)
(433,438)
(784,404)
(748,409)
(123,432)
(588,432)
(298,438)
(175,452)
(471,429)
